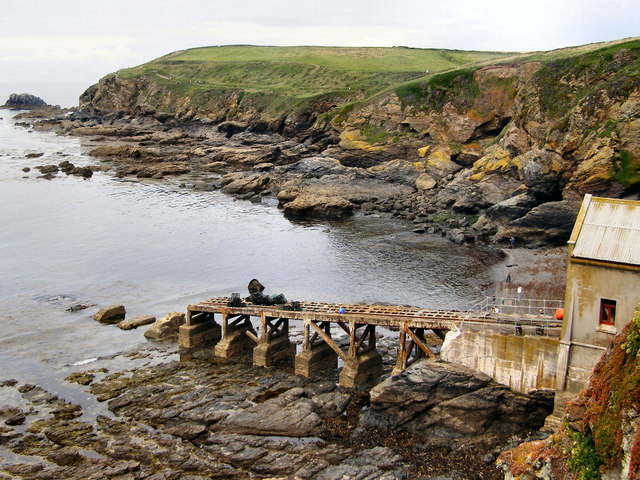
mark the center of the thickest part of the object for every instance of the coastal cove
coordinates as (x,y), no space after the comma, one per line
(156,246)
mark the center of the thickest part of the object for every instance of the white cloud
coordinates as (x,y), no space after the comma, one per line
(86,40)
(64,48)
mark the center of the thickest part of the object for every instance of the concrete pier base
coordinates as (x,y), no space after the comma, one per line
(360,369)
(200,330)
(275,351)
(236,343)
(317,358)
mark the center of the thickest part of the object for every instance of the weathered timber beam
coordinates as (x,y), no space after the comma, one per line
(420,344)
(364,335)
(236,321)
(252,336)
(274,328)
(329,341)
(344,327)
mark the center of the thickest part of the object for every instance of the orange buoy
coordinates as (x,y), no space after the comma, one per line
(560,313)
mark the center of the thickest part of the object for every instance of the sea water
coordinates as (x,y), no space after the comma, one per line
(156,247)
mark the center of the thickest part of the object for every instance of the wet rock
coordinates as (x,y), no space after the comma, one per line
(453,404)
(283,415)
(136,322)
(110,315)
(34,155)
(330,404)
(318,206)
(24,100)
(48,169)
(81,378)
(13,416)
(80,306)
(187,431)
(166,327)
(66,456)
(84,172)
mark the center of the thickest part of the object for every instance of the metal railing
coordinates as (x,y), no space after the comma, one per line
(525,316)
(520,306)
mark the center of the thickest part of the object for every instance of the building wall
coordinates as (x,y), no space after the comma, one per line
(584,339)
(587,284)
(523,363)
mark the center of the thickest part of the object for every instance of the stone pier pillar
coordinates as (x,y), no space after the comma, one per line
(238,338)
(274,346)
(199,330)
(315,357)
(363,361)
(357,370)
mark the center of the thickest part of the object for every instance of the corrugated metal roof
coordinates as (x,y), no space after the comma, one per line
(610,231)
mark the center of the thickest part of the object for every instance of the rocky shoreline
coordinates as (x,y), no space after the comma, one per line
(197,418)
(306,176)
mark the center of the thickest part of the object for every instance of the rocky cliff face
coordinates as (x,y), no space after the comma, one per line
(511,147)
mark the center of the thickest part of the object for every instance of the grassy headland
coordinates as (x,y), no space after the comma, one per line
(291,77)
(311,72)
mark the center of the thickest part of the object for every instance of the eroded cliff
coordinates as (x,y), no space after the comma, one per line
(502,150)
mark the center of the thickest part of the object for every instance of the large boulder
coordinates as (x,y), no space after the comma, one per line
(501,213)
(447,404)
(318,206)
(136,322)
(549,223)
(112,314)
(166,327)
(24,101)
(290,414)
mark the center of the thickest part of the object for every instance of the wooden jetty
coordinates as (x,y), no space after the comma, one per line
(230,329)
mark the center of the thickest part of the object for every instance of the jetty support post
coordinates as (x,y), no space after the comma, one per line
(274,346)
(363,361)
(238,337)
(410,352)
(319,351)
(199,330)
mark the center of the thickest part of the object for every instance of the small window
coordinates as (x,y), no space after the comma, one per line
(607,312)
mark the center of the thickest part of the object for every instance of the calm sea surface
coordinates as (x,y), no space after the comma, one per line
(155,248)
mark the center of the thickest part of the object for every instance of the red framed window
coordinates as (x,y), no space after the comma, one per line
(607,312)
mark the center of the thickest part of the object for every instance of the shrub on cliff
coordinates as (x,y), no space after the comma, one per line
(600,434)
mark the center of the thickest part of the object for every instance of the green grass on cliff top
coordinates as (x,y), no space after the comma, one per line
(351,59)
(304,73)
(301,72)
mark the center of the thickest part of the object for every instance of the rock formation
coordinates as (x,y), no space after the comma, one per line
(112,314)
(448,404)
(24,101)
(166,327)
(494,152)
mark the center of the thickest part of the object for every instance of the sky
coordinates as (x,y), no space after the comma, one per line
(81,41)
